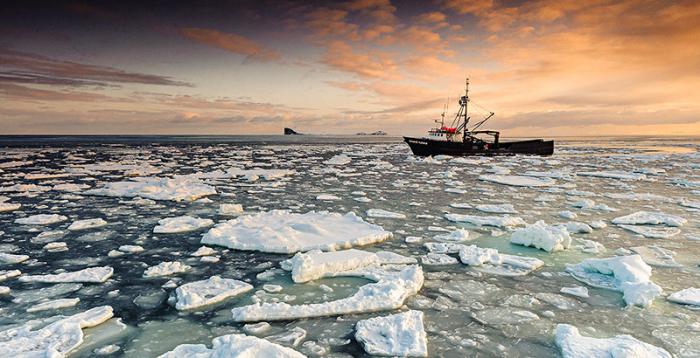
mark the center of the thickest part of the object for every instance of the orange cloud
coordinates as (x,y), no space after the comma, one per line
(340,56)
(231,42)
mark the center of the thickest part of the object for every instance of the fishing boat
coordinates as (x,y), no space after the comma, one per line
(459,139)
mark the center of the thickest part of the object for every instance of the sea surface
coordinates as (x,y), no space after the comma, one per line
(467,312)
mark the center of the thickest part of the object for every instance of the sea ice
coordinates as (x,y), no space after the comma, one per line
(234,345)
(578,291)
(54,340)
(5,207)
(327,197)
(89,275)
(542,236)
(497,221)
(491,261)
(496,208)
(166,268)
(54,305)
(400,335)
(574,345)
(613,174)
(453,236)
(315,264)
(517,180)
(230,209)
(652,232)
(206,292)
(41,219)
(181,224)
(656,256)
(86,224)
(688,296)
(280,231)
(437,259)
(340,159)
(379,213)
(627,274)
(649,218)
(12,258)
(178,189)
(389,292)
(8,274)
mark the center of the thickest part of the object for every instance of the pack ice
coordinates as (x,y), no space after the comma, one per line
(281,231)
(542,236)
(574,345)
(234,345)
(399,335)
(176,189)
(181,224)
(206,292)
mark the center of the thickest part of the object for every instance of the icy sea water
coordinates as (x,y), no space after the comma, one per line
(467,312)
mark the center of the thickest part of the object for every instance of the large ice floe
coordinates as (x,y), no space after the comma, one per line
(197,294)
(87,224)
(688,296)
(650,218)
(280,231)
(491,261)
(234,345)
(181,224)
(177,189)
(542,236)
(392,286)
(574,345)
(89,275)
(497,221)
(57,339)
(627,274)
(397,335)
(517,180)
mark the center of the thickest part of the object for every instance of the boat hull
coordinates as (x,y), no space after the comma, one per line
(428,147)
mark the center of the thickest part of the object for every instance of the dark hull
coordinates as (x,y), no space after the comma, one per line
(427,147)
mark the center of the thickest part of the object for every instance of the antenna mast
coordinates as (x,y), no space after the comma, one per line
(465,101)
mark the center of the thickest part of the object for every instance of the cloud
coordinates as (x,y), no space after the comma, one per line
(24,67)
(340,56)
(231,42)
(10,91)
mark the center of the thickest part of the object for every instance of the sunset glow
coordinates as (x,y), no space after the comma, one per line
(546,68)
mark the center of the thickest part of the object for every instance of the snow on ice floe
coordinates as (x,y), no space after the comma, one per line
(166,268)
(627,274)
(57,339)
(491,261)
(230,209)
(652,232)
(315,264)
(453,236)
(54,304)
(12,258)
(497,208)
(177,189)
(401,335)
(517,180)
(215,289)
(280,231)
(89,275)
(86,224)
(340,159)
(542,236)
(574,345)
(234,345)
(181,224)
(688,296)
(650,218)
(380,213)
(391,288)
(614,174)
(497,221)
(41,219)
(8,274)
(5,207)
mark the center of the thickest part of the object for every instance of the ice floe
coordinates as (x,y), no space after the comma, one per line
(87,224)
(180,224)
(627,274)
(280,231)
(12,258)
(399,335)
(390,290)
(497,208)
(41,219)
(5,207)
(650,218)
(54,304)
(688,296)
(656,256)
(340,159)
(574,345)
(89,275)
(57,339)
(517,180)
(166,268)
(614,174)
(491,261)
(380,213)
(234,345)
(651,231)
(578,291)
(542,236)
(497,221)
(230,209)
(178,189)
(215,289)
(315,264)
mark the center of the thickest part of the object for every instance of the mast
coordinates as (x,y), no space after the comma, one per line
(465,102)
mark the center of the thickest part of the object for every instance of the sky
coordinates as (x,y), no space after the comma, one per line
(546,68)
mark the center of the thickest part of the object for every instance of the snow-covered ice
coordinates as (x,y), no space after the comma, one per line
(181,224)
(574,345)
(280,231)
(542,236)
(688,296)
(650,218)
(197,294)
(380,213)
(166,268)
(497,221)
(177,189)
(41,219)
(517,180)
(89,275)
(234,345)
(87,224)
(399,335)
